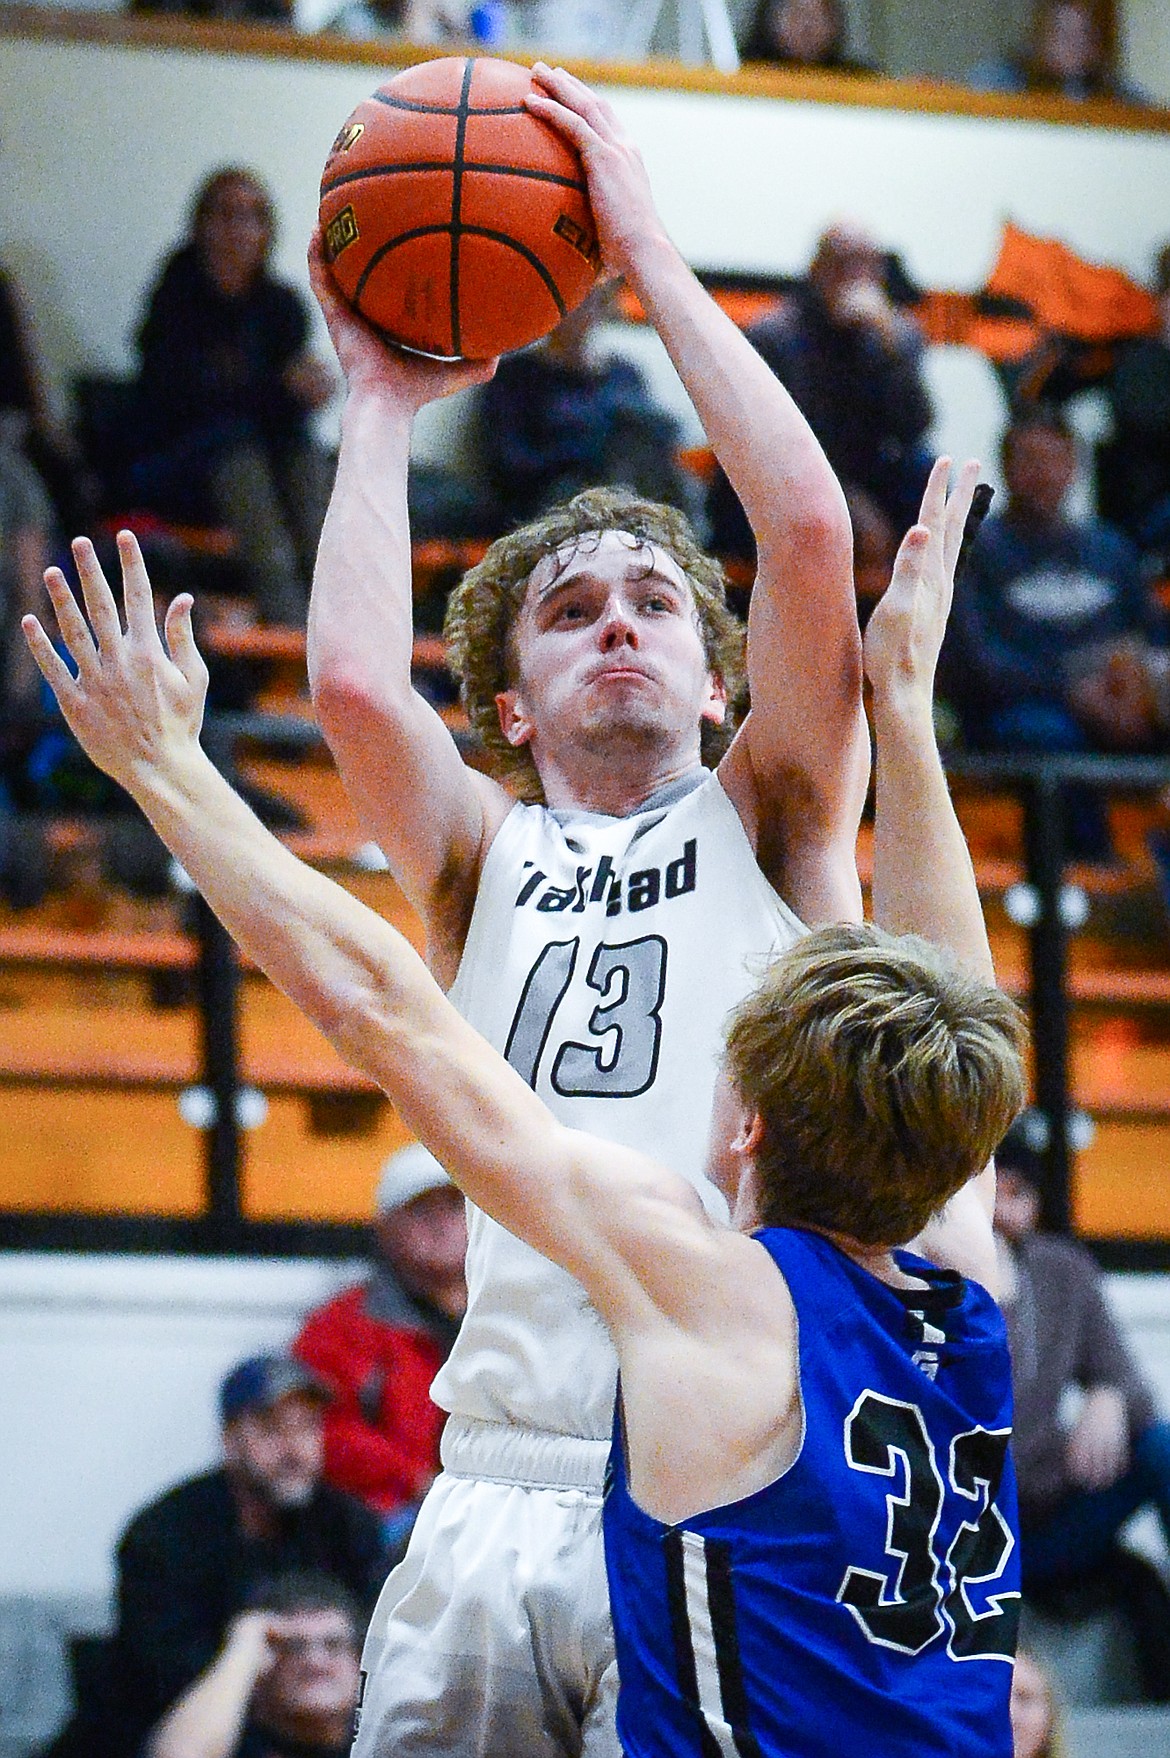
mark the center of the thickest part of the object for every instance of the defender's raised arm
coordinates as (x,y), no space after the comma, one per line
(137,708)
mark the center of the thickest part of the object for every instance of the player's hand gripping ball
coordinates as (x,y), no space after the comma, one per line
(454,220)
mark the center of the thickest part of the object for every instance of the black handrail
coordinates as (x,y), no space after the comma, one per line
(1039,781)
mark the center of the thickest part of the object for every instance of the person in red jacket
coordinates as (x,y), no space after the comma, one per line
(380,1345)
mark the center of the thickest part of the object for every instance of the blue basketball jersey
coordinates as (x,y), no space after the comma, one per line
(867,1600)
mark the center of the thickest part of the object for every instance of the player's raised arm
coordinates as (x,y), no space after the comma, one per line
(432,816)
(923,880)
(798,771)
(137,707)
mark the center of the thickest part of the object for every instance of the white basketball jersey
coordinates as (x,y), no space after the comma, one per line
(603,957)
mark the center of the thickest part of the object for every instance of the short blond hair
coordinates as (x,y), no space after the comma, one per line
(483,609)
(884,1076)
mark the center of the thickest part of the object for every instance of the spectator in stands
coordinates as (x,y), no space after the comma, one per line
(26,544)
(415,21)
(379,1346)
(1066,54)
(801,33)
(853,362)
(1036,1729)
(1079,1480)
(283,1685)
(27,420)
(189,1562)
(25,552)
(1047,646)
(227,387)
(566,414)
(566,27)
(1134,464)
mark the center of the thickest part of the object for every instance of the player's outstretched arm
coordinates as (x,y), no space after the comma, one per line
(433,817)
(136,707)
(798,772)
(923,880)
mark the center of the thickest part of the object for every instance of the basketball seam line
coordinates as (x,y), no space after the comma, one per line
(445,165)
(529,256)
(448,109)
(457,203)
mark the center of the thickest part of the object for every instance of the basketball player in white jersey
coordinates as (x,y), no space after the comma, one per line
(597,936)
(706,1337)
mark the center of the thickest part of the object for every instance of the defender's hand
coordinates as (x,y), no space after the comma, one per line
(371,363)
(619,187)
(133,703)
(905,632)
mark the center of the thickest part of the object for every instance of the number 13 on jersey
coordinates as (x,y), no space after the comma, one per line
(620,1060)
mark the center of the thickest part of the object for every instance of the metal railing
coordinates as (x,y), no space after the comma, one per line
(1044,905)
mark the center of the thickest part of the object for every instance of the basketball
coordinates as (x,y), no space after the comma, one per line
(454,220)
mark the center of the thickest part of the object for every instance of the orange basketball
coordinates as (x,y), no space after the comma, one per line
(454,220)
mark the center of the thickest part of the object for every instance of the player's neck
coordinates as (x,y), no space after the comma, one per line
(597,783)
(879,1260)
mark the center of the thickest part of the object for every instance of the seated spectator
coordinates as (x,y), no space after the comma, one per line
(566,415)
(801,33)
(1051,622)
(1066,54)
(284,1684)
(1036,1729)
(1134,464)
(566,27)
(226,389)
(25,552)
(415,21)
(379,1346)
(1080,1478)
(853,363)
(190,1561)
(28,422)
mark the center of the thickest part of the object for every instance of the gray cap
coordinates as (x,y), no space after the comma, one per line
(410,1172)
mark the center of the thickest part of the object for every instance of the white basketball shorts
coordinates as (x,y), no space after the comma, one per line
(492,1637)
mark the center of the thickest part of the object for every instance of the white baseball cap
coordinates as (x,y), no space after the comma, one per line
(407,1174)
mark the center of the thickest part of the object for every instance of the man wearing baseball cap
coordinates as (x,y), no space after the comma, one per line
(192,1559)
(378,1346)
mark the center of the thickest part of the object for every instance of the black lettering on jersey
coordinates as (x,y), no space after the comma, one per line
(531,884)
(898,1608)
(681,874)
(601,879)
(555,899)
(979,1552)
(903,1607)
(642,889)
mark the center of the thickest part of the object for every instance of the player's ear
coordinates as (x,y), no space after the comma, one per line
(749,1134)
(514,722)
(714,707)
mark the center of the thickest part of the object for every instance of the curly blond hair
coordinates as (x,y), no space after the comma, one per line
(483,609)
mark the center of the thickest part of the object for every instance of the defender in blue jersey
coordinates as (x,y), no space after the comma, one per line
(810,1519)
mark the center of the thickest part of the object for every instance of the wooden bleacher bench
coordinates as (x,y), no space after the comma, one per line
(117,1048)
(96,949)
(287,646)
